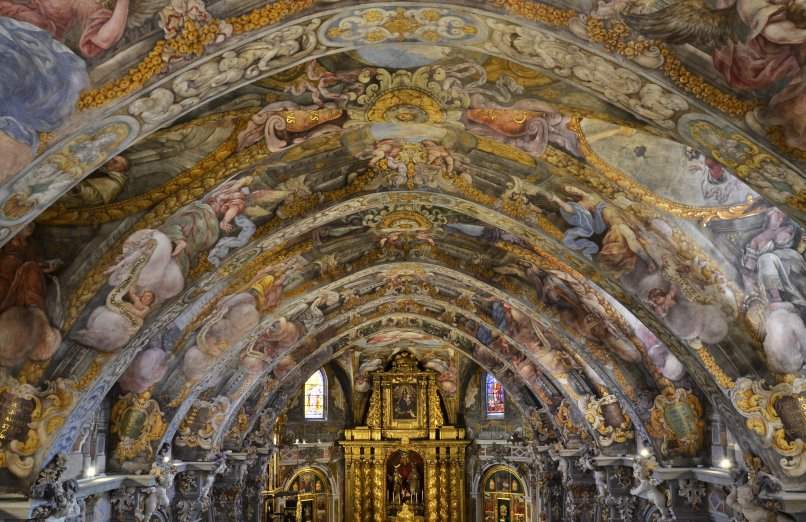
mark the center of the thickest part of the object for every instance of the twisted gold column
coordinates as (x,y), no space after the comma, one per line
(460,472)
(431,489)
(443,489)
(357,490)
(366,479)
(456,494)
(378,490)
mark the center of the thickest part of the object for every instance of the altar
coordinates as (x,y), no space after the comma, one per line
(405,463)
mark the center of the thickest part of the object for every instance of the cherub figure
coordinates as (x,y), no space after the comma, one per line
(647,487)
(622,245)
(742,500)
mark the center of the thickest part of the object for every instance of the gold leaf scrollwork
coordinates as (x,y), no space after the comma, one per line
(676,419)
(374,414)
(434,406)
(606,417)
(567,424)
(137,422)
(642,194)
(778,416)
(34,414)
(712,367)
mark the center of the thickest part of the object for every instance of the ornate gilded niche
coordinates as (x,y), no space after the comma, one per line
(405,463)
(313,495)
(504,495)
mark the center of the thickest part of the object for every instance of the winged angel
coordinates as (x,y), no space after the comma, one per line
(754,44)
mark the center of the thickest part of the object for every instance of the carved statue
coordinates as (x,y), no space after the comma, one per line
(207,486)
(156,496)
(742,500)
(599,475)
(647,487)
(60,496)
(562,466)
(414,485)
(397,488)
(405,514)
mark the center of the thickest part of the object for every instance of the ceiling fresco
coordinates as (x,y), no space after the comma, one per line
(202,204)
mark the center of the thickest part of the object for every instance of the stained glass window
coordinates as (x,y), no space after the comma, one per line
(315,396)
(494,405)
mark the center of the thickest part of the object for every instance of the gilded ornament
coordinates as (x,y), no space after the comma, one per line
(505,151)
(409,97)
(29,416)
(676,419)
(712,366)
(567,424)
(642,194)
(778,416)
(607,419)
(191,42)
(89,376)
(398,24)
(136,421)
(616,37)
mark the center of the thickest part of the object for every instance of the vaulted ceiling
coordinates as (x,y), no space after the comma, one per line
(606,220)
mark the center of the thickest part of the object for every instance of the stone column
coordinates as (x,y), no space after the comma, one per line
(615,502)
(194,486)
(580,490)
(350,466)
(255,482)
(228,490)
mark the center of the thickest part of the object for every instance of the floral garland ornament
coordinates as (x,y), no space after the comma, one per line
(778,416)
(607,418)
(676,419)
(198,30)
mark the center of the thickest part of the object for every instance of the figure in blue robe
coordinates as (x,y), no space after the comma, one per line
(40,82)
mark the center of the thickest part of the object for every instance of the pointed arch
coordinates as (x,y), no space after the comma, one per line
(494,397)
(315,394)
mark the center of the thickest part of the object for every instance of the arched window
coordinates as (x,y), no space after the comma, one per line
(315,396)
(494,397)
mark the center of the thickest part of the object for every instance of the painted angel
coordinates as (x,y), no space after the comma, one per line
(32,36)
(754,44)
(99,28)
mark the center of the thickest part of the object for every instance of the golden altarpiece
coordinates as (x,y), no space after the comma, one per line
(405,463)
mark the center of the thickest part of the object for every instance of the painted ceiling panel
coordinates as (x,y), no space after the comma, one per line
(222,199)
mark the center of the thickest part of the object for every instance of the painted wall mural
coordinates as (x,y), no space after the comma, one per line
(497,195)
(190,33)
